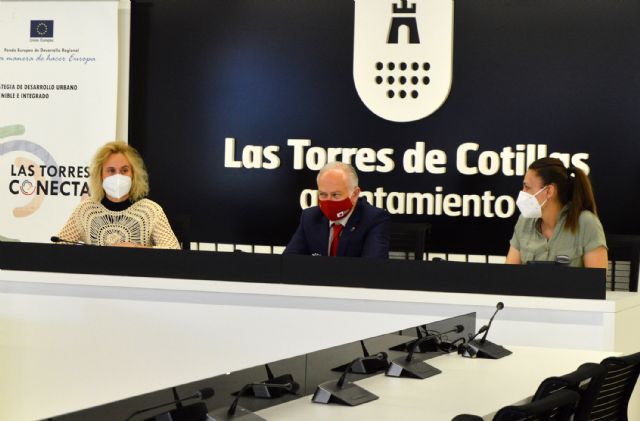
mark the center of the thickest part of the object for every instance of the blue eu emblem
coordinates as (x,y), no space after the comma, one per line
(41,29)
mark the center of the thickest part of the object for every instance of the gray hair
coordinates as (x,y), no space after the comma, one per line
(347,169)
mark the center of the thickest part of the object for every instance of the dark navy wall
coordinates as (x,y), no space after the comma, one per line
(561,73)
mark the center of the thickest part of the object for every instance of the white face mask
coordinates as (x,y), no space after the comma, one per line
(528,204)
(117,185)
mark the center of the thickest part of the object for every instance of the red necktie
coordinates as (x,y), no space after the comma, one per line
(337,228)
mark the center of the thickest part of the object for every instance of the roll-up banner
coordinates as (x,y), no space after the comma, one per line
(58,87)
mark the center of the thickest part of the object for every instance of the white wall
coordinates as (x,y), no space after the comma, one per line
(124,23)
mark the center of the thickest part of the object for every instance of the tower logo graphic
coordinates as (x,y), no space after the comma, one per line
(403,56)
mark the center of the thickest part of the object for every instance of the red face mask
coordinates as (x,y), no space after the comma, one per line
(335,209)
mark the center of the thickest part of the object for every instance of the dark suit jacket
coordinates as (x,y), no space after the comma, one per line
(365,235)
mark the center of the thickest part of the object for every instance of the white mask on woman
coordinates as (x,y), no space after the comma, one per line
(117,185)
(528,204)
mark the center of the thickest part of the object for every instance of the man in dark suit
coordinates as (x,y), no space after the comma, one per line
(342,224)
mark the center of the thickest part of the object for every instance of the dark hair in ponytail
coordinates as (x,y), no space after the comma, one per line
(572,184)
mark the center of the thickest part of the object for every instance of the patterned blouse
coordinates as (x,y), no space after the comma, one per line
(142,222)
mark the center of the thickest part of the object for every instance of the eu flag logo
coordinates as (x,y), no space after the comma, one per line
(41,29)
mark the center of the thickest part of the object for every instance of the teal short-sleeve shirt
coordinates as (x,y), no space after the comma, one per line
(533,245)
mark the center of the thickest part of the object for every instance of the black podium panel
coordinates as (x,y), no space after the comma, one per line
(140,262)
(532,280)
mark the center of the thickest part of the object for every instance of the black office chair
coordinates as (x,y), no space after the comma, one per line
(586,381)
(410,238)
(612,401)
(624,248)
(558,406)
(181,226)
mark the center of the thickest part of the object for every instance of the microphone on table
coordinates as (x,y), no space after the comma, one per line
(425,346)
(406,367)
(261,390)
(56,239)
(343,392)
(237,411)
(349,369)
(499,307)
(485,328)
(483,348)
(365,366)
(475,335)
(416,344)
(482,330)
(189,412)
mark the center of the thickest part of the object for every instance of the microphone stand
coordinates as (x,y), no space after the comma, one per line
(176,398)
(261,390)
(192,412)
(236,411)
(424,346)
(483,348)
(367,365)
(406,367)
(343,392)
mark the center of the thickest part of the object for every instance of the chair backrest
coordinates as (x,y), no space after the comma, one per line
(624,248)
(181,226)
(558,406)
(613,400)
(466,417)
(410,238)
(586,381)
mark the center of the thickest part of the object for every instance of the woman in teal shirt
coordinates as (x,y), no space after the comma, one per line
(558,221)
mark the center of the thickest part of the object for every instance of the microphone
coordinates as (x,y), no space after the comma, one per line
(234,405)
(366,366)
(56,239)
(225,414)
(265,392)
(378,356)
(414,346)
(262,391)
(485,328)
(483,348)
(482,330)
(499,307)
(202,394)
(425,346)
(346,393)
(405,367)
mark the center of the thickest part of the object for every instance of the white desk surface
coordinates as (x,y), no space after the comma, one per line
(471,386)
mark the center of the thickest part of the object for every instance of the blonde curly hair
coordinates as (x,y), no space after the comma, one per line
(139,179)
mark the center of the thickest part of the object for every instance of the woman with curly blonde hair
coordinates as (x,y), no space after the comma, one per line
(118,212)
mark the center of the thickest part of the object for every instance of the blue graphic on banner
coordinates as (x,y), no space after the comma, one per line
(41,29)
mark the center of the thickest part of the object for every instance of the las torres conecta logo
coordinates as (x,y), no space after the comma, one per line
(403,56)
(34,173)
